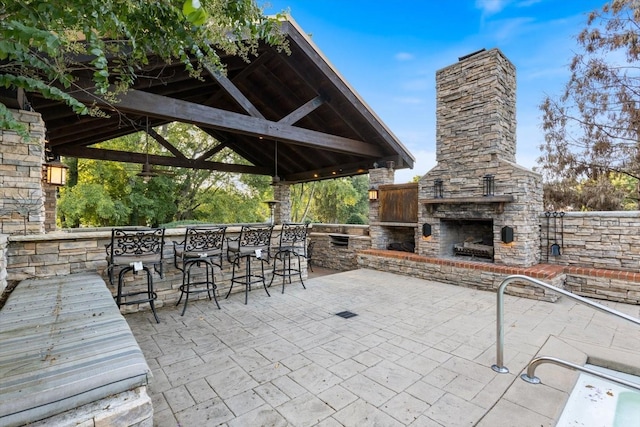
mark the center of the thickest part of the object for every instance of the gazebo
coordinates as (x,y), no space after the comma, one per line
(291,115)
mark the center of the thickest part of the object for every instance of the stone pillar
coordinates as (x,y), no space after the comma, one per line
(22,208)
(282,212)
(379,236)
(50,207)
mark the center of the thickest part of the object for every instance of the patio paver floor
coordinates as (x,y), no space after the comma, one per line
(418,353)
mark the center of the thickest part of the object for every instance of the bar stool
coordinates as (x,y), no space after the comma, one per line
(201,248)
(291,244)
(134,251)
(254,242)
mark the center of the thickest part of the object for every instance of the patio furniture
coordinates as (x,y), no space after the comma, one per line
(201,248)
(291,244)
(309,255)
(253,243)
(134,251)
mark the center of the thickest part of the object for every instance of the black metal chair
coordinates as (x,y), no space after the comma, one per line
(135,250)
(253,243)
(309,255)
(291,244)
(201,248)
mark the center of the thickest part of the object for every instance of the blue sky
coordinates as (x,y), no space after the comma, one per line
(390,51)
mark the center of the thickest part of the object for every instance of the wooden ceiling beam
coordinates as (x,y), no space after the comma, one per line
(201,115)
(302,111)
(141,158)
(166,144)
(235,93)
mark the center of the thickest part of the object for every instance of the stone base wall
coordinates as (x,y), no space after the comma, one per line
(63,253)
(129,409)
(611,285)
(477,275)
(329,255)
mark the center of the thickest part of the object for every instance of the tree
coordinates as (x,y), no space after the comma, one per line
(43,42)
(592,131)
(334,200)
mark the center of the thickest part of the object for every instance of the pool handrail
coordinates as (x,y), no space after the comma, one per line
(499,365)
(531,378)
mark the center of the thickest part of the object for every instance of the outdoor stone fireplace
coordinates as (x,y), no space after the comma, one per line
(477,203)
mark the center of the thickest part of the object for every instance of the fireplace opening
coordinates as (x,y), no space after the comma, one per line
(467,238)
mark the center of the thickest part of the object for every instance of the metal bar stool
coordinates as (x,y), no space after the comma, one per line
(291,245)
(254,242)
(134,251)
(201,248)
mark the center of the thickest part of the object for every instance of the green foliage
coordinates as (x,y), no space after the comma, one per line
(41,43)
(90,204)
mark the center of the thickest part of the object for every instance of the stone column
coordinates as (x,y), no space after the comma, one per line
(50,206)
(379,236)
(282,212)
(22,209)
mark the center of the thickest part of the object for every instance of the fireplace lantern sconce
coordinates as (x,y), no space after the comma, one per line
(507,234)
(438,189)
(488,185)
(373,194)
(426,230)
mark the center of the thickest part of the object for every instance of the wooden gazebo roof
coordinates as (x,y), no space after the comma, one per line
(299,102)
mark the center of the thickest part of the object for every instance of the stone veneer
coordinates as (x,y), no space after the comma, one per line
(62,253)
(282,210)
(381,236)
(21,192)
(475,136)
(4,240)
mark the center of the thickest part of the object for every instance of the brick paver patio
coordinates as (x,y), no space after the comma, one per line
(418,353)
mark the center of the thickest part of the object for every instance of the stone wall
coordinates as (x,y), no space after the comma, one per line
(21,194)
(3,262)
(328,254)
(63,253)
(464,273)
(608,240)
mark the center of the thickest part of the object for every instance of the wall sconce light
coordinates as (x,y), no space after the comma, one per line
(426,230)
(488,185)
(507,234)
(438,189)
(54,172)
(373,194)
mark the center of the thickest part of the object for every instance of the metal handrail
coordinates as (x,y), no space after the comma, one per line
(499,365)
(531,378)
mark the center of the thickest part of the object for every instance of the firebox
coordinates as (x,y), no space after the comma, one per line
(467,238)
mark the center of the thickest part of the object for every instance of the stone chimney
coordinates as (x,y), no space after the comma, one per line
(475,144)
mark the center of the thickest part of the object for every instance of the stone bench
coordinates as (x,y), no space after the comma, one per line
(68,357)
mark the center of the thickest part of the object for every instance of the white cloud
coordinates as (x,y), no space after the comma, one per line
(404,56)
(491,7)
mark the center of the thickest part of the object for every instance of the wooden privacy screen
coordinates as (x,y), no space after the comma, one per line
(399,203)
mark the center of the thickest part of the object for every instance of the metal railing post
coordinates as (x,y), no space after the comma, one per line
(531,378)
(499,365)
